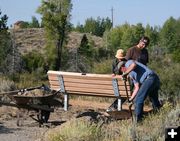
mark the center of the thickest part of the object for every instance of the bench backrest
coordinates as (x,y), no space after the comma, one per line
(87,84)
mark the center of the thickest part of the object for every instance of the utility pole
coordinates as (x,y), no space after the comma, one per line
(112,10)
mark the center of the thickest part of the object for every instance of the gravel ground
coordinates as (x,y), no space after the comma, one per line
(9,131)
(30,130)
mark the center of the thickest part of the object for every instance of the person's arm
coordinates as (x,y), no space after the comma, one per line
(113,67)
(129,69)
(136,88)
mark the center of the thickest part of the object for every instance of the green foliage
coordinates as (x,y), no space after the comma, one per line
(84,48)
(85,55)
(113,38)
(123,36)
(79,28)
(96,27)
(33,61)
(55,16)
(153,35)
(5,42)
(33,24)
(176,55)
(102,53)
(51,57)
(103,67)
(131,36)
(169,74)
(3,22)
(169,35)
(127,39)
(138,32)
(55,19)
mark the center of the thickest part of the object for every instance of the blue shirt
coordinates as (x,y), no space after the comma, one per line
(140,73)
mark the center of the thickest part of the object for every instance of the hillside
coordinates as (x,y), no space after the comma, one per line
(33,39)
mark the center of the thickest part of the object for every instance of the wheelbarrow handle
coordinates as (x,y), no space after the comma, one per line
(22,90)
(29,89)
(10,92)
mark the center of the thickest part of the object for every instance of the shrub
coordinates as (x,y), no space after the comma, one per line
(75,130)
(104,67)
(6,85)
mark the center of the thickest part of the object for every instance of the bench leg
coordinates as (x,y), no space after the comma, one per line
(119,104)
(66,101)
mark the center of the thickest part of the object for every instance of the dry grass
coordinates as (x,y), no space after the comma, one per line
(74,130)
(6,85)
(151,129)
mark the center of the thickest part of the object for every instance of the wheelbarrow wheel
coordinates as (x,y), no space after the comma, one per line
(43,116)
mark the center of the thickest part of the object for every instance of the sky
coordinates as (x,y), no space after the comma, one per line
(152,12)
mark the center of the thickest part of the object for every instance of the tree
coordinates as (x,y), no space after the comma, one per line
(153,35)
(79,28)
(5,44)
(97,27)
(112,39)
(138,32)
(55,19)
(85,53)
(85,48)
(34,23)
(168,33)
(127,39)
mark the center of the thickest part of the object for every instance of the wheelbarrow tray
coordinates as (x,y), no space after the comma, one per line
(42,104)
(37,100)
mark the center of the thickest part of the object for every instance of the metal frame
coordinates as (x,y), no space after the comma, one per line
(130,106)
(117,94)
(62,88)
(115,88)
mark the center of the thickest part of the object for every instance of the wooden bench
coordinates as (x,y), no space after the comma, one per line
(99,85)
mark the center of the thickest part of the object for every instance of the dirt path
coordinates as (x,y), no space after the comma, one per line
(9,131)
(30,131)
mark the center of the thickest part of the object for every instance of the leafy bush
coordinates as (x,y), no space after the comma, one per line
(33,61)
(103,67)
(169,74)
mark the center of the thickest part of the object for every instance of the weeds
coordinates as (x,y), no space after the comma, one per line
(151,129)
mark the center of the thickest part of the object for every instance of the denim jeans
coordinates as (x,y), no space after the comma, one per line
(150,88)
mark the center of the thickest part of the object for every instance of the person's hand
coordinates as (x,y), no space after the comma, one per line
(122,77)
(130,102)
(113,75)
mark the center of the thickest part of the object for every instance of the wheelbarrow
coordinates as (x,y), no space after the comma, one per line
(42,104)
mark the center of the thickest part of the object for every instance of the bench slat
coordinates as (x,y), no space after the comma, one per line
(88,80)
(93,93)
(75,74)
(84,85)
(96,94)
